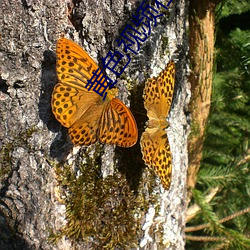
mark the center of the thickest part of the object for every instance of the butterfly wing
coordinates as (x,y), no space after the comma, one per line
(156,153)
(69,103)
(117,125)
(80,109)
(85,130)
(70,98)
(74,66)
(72,104)
(158,93)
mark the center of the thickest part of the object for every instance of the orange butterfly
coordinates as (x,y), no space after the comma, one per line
(158,93)
(88,117)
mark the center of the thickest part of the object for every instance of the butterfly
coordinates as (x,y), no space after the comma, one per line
(87,116)
(157,95)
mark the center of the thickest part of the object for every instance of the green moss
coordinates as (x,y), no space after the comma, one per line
(131,84)
(5,161)
(164,45)
(19,140)
(28,133)
(105,212)
(195,129)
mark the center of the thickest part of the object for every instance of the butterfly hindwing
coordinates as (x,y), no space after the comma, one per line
(158,92)
(156,154)
(84,131)
(118,125)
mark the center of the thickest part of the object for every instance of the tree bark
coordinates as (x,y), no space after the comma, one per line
(43,178)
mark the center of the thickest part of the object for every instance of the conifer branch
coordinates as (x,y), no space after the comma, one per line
(245,159)
(194,209)
(230,217)
(205,238)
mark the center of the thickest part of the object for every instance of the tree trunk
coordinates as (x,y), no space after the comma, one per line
(54,196)
(201,40)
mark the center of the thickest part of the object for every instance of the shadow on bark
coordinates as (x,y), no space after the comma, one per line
(61,145)
(9,239)
(130,159)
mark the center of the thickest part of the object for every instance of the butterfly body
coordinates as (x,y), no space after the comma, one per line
(87,116)
(158,93)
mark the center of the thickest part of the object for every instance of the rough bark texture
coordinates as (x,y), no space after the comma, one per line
(201,40)
(32,142)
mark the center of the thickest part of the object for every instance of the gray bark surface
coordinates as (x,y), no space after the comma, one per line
(32,142)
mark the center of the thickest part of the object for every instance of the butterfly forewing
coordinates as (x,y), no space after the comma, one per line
(158,92)
(166,87)
(74,65)
(62,104)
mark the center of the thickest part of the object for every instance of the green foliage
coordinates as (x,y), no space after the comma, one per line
(207,211)
(230,7)
(226,153)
